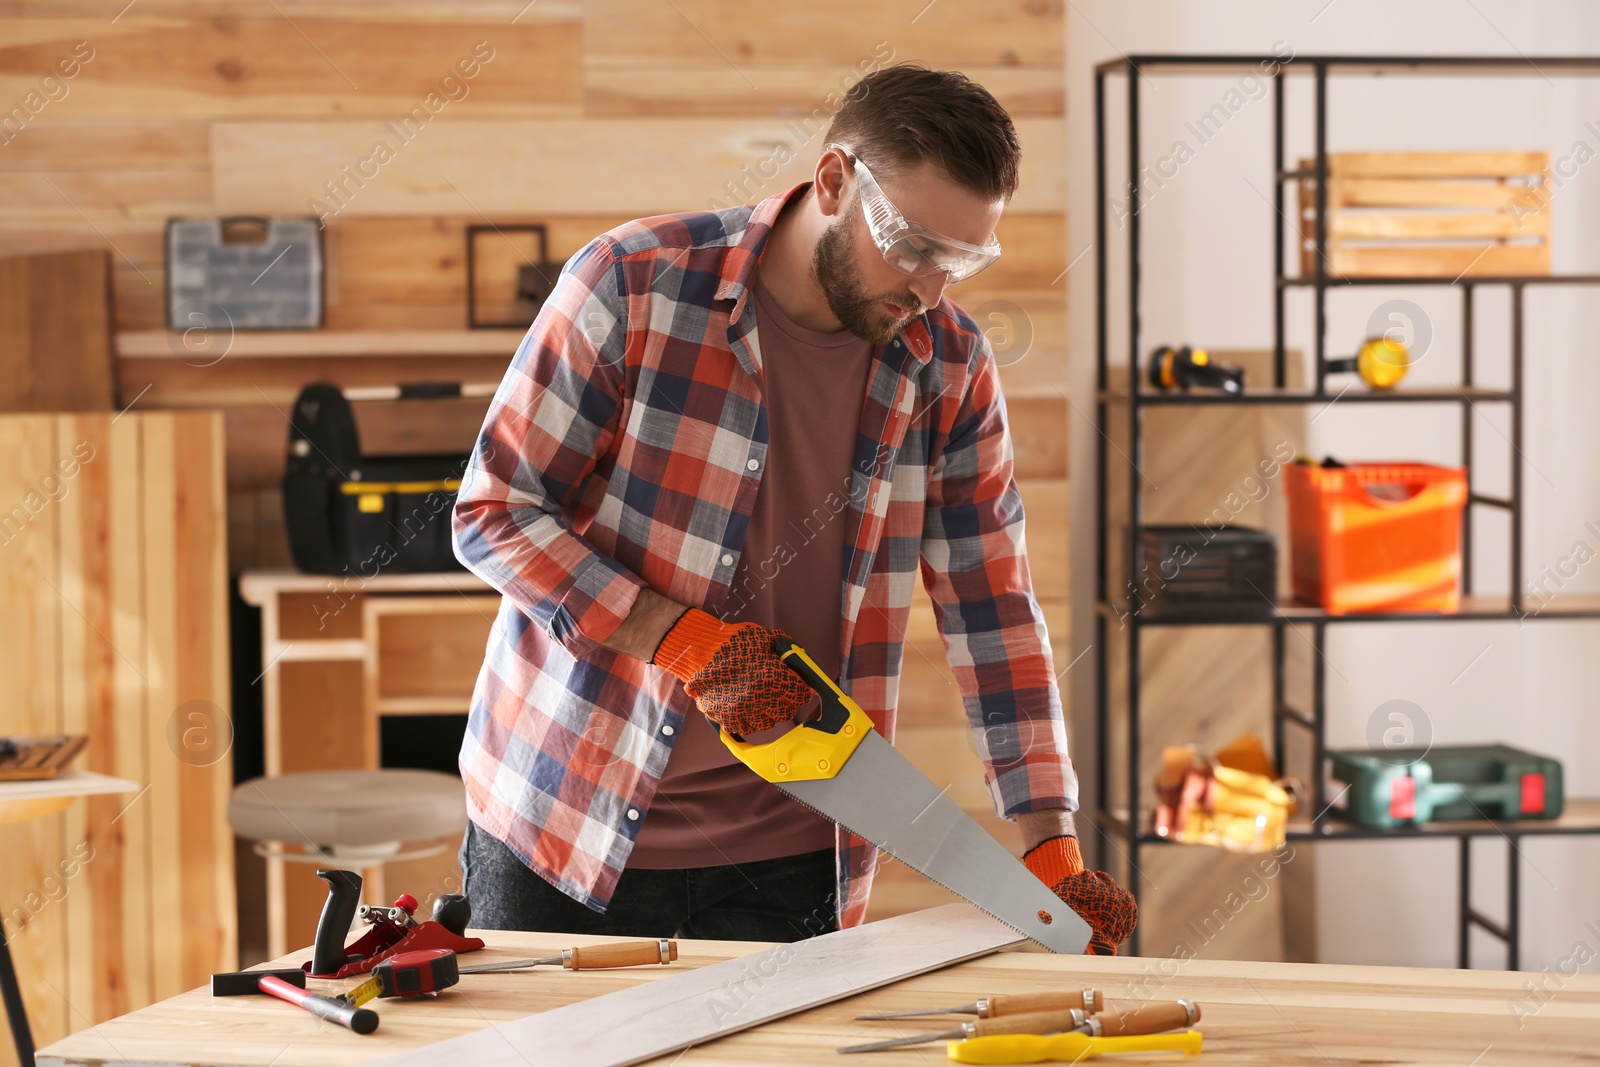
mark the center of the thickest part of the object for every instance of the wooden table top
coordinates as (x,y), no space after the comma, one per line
(1252,1013)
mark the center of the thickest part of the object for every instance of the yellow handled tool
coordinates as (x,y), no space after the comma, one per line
(1028,1048)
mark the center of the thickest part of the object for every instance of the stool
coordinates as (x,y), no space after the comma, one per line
(350,818)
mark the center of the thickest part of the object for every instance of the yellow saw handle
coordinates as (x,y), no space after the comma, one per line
(1029,1048)
(818,747)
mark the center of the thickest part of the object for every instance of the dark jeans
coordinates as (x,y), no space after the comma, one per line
(786,899)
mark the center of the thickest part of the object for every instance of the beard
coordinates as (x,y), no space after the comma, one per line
(840,279)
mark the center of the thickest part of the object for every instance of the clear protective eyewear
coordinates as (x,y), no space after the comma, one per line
(909,247)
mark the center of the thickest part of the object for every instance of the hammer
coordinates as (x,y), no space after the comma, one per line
(290,985)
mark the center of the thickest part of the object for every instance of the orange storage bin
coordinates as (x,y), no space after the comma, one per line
(1376,536)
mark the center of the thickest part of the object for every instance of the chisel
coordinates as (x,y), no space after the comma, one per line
(1150,1019)
(990,1007)
(591,957)
(1069,1048)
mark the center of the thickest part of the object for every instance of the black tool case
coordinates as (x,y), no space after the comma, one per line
(359,515)
(1209,570)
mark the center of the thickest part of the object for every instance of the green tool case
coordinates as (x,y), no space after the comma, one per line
(1389,788)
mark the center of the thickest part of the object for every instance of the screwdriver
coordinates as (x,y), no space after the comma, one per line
(1028,1048)
(1088,999)
(1035,1022)
(591,957)
(1150,1019)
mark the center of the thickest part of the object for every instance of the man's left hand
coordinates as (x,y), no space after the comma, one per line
(1109,909)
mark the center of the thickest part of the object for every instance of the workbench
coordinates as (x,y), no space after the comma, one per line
(1278,1013)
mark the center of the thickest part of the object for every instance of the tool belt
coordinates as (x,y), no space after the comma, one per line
(1234,799)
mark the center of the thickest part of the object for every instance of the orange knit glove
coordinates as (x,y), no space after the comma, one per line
(732,672)
(1109,909)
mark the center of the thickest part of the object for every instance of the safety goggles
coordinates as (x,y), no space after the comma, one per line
(910,247)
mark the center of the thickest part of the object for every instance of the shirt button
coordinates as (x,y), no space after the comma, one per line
(633,814)
(667,730)
(727,559)
(754,465)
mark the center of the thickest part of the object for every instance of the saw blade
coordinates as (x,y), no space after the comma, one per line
(880,795)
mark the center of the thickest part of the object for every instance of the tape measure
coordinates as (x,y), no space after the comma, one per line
(410,974)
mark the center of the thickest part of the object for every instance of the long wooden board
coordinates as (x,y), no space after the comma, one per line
(672,1013)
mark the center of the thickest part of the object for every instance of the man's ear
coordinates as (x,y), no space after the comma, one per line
(829,182)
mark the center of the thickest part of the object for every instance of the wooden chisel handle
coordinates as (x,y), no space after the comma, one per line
(1032,1022)
(1089,1000)
(1150,1019)
(620,954)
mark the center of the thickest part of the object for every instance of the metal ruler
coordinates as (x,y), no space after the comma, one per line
(679,1010)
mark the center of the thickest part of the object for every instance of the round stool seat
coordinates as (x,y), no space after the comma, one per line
(349,813)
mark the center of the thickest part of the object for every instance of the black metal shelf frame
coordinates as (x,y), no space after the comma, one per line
(1137,398)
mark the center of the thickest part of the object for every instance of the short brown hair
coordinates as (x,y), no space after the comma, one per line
(906,115)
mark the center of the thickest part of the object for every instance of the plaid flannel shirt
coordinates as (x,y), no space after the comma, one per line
(624,448)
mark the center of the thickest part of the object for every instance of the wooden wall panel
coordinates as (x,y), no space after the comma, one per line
(953,33)
(513,167)
(269,66)
(120,581)
(210,107)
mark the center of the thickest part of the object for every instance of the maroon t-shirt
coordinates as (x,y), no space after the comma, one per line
(709,808)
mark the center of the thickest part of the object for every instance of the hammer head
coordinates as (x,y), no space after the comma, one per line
(242,983)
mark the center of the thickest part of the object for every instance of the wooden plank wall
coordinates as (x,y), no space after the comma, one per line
(113,570)
(579,114)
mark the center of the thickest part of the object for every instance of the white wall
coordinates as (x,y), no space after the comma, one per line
(1207,269)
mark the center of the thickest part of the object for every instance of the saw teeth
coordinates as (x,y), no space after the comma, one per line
(924,874)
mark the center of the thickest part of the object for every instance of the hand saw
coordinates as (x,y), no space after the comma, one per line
(839,766)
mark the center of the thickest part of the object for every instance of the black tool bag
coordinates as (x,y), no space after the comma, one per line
(367,515)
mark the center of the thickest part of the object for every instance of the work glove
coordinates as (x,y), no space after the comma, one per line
(1109,909)
(732,672)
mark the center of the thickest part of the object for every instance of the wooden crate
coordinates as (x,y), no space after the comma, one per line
(1430,214)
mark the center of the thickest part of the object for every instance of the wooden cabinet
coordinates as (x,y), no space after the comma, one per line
(341,656)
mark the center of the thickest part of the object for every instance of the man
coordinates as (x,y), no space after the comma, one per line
(726,425)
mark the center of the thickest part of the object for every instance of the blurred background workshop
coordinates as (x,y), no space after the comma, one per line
(1289,329)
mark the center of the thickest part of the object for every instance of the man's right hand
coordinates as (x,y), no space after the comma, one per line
(732,672)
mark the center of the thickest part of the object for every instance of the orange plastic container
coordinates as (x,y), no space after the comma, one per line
(1376,536)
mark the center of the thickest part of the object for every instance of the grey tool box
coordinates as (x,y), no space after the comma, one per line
(1388,788)
(244,273)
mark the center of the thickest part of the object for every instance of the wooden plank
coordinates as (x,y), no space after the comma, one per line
(1439,225)
(199,732)
(64,145)
(55,330)
(1386,192)
(1434,164)
(83,200)
(103,697)
(837,33)
(681,87)
(503,168)
(271,66)
(679,1011)
(1452,261)
(164,801)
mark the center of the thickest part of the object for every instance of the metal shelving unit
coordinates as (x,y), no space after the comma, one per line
(1125,821)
